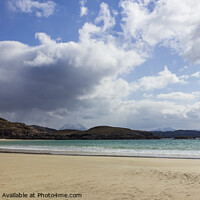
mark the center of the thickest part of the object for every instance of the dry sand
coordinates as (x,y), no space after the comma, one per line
(100,178)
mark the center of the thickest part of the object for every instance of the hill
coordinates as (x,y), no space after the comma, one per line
(108,133)
(178,134)
(16,130)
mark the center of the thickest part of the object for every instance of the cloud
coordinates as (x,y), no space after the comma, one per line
(197,75)
(142,114)
(194,111)
(83,9)
(65,81)
(163,79)
(54,75)
(83,81)
(105,17)
(110,89)
(166,24)
(180,96)
(44,9)
(115,89)
(183,68)
(145,95)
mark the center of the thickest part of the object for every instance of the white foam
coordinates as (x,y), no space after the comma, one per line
(104,151)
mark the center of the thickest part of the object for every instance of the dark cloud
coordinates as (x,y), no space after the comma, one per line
(54,75)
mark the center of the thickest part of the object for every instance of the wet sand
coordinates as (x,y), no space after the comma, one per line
(100,178)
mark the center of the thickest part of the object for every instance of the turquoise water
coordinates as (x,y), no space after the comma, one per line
(147,148)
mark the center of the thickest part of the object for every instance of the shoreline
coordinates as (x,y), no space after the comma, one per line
(89,154)
(21,140)
(142,149)
(100,178)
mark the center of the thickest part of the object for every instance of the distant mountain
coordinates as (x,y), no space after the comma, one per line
(178,134)
(73,127)
(164,129)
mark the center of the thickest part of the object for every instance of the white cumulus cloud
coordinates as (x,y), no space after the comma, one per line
(170,23)
(54,75)
(163,79)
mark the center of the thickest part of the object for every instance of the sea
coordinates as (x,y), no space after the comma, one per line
(163,148)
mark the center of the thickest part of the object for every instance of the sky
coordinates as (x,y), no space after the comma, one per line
(125,63)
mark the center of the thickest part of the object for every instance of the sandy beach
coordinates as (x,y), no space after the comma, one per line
(99,178)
